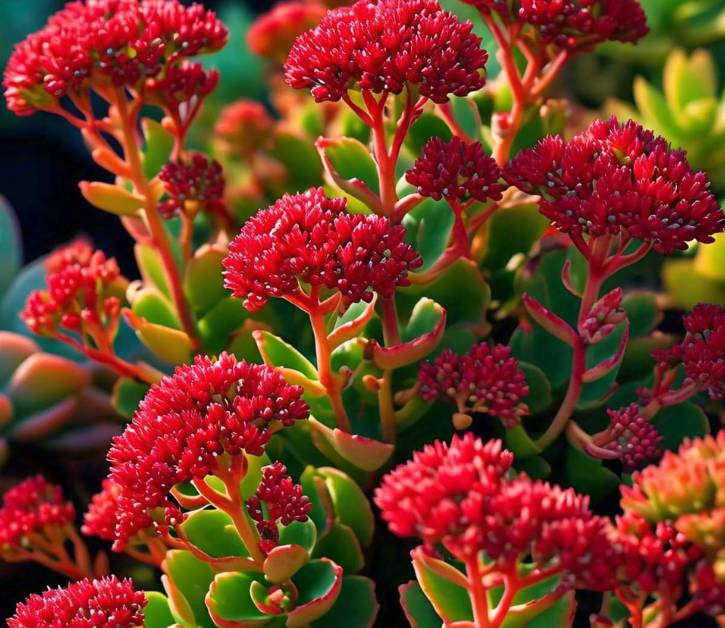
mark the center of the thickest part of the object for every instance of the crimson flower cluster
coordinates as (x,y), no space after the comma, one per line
(385,46)
(107,43)
(32,507)
(185,423)
(619,179)
(277,500)
(572,24)
(273,34)
(100,519)
(84,292)
(634,439)
(244,126)
(486,379)
(311,238)
(192,184)
(83,604)
(703,349)
(459,496)
(457,171)
(603,318)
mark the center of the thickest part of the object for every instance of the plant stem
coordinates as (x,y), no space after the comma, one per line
(131,151)
(477,593)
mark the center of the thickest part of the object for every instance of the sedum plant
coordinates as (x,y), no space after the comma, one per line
(410,245)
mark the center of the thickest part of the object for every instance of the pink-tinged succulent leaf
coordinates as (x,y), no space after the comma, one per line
(230,603)
(284,561)
(519,441)
(547,612)
(178,604)
(352,323)
(319,584)
(45,422)
(415,349)
(111,198)
(556,326)
(280,354)
(187,581)
(11,253)
(365,453)
(171,345)
(356,606)
(14,348)
(566,278)
(322,512)
(44,379)
(340,544)
(302,533)
(444,586)
(213,532)
(606,366)
(417,607)
(349,166)
(6,411)
(350,505)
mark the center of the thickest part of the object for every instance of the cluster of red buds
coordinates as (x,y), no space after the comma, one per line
(195,423)
(192,184)
(277,500)
(85,604)
(272,34)
(109,44)
(84,295)
(603,317)
(634,440)
(432,51)
(311,238)
(619,180)
(486,380)
(243,127)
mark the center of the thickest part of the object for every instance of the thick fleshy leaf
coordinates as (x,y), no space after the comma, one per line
(189,580)
(156,613)
(152,271)
(301,533)
(417,607)
(348,162)
(443,586)
(428,227)
(365,453)
(150,304)
(356,606)
(539,397)
(710,260)
(675,423)
(111,198)
(252,477)
(127,394)
(11,252)
(276,352)
(537,347)
(43,423)
(340,544)
(14,349)
(284,561)
(229,599)
(520,443)
(642,312)
(512,230)
(687,288)
(319,584)
(159,143)
(171,345)
(204,284)
(322,512)
(586,474)
(213,532)
(299,157)
(350,504)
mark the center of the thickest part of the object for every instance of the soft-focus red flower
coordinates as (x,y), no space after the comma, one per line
(619,179)
(84,604)
(632,437)
(84,293)
(385,46)
(457,171)
(191,185)
(277,500)
(271,35)
(186,422)
(310,238)
(486,379)
(572,23)
(708,589)
(106,42)
(703,350)
(32,507)
(434,495)
(603,318)
(100,519)
(244,126)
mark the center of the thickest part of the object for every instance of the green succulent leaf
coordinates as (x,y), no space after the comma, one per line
(148,303)
(11,252)
(230,599)
(356,606)
(588,475)
(284,561)
(429,227)
(159,144)
(204,284)
(417,607)
(213,532)
(350,505)
(127,394)
(449,598)
(277,352)
(676,423)
(156,613)
(642,312)
(425,127)
(299,158)
(187,585)
(319,584)
(341,544)
(512,231)
(301,533)
(539,397)
(350,159)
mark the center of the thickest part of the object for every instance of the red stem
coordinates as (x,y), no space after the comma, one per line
(477,593)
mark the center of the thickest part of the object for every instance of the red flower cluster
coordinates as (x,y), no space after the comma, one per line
(244,126)
(106,43)
(603,318)
(459,496)
(574,23)
(84,293)
(703,349)
(184,423)
(32,507)
(281,499)
(486,379)
(310,238)
(386,46)
(457,171)
(272,34)
(84,604)
(192,185)
(708,589)
(100,519)
(632,437)
(619,179)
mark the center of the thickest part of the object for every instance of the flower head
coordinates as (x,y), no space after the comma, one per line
(703,350)
(632,437)
(192,185)
(486,379)
(619,179)
(84,293)
(32,507)
(708,589)
(97,43)
(84,604)
(283,502)
(100,519)
(387,46)
(272,34)
(456,171)
(244,126)
(310,238)
(183,425)
(434,495)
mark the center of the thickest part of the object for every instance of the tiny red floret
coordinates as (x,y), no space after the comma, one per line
(633,438)
(192,184)
(271,35)
(703,349)
(244,126)
(84,604)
